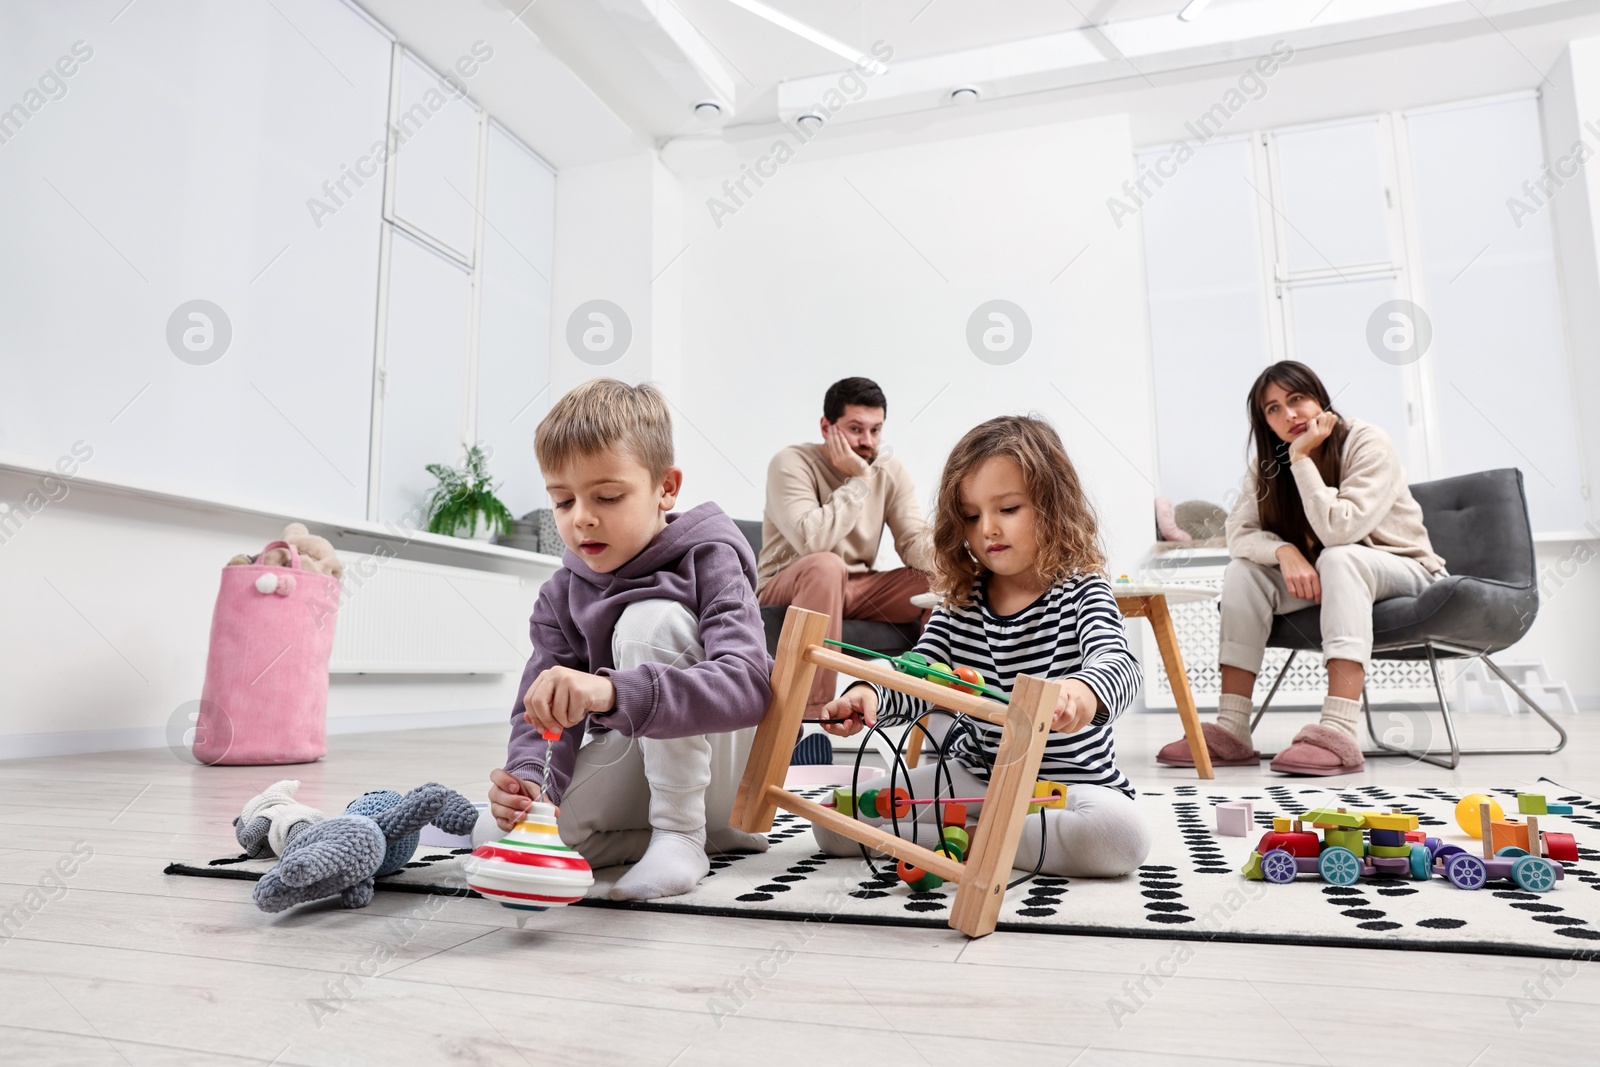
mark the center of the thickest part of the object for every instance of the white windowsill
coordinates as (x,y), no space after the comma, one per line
(24,465)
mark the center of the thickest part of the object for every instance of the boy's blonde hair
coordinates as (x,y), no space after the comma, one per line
(605,414)
(1068,533)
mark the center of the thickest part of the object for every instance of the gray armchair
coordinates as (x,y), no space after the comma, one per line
(1479,524)
(887,637)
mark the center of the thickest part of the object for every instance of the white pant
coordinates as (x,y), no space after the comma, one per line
(1353,578)
(623,787)
(1099,834)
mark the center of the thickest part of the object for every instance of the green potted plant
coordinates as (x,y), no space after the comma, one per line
(464,496)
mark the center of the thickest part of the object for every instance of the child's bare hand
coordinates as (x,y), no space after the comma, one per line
(510,797)
(850,713)
(1075,707)
(560,697)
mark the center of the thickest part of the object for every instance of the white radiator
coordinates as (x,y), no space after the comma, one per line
(402,617)
(1198,625)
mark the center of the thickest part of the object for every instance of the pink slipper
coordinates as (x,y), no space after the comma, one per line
(1319,751)
(1225,749)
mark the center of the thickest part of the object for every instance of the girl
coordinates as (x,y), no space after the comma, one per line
(1019,571)
(1325,518)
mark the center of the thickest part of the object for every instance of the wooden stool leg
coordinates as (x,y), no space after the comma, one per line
(1005,806)
(914,741)
(753,810)
(1167,642)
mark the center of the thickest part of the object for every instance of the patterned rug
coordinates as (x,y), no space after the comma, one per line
(1189,889)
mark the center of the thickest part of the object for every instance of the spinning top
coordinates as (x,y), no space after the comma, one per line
(529,869)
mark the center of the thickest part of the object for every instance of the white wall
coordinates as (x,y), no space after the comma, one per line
(1571,101)
(108,598)
(605,221)
(870,262)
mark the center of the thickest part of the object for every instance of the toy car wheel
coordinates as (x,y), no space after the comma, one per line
(1278,867)
(1510,852)
(1421,862)
(1535,874)
(1466,871)
(1338,866)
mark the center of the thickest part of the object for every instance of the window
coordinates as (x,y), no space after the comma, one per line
(1379,252)
(464,312)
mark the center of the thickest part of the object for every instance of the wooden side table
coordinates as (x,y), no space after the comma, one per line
(1145,600)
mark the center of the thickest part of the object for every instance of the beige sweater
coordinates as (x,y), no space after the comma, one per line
(811,508)
(1372,506)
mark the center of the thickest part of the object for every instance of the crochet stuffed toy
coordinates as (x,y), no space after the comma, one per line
(272,819)
(316,553)
(341,856)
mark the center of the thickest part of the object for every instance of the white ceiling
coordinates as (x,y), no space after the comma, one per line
(625,74)
(915,28)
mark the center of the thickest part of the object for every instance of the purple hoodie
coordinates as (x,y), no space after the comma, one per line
(702,561)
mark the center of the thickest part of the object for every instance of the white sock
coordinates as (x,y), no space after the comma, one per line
(674,863)
(1233,715)
(1340,714)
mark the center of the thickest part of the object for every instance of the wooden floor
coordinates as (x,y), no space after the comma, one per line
(128,966)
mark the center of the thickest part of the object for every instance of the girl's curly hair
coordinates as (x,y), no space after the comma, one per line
(1068,534)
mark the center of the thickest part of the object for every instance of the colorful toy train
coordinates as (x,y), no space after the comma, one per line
(1355,845)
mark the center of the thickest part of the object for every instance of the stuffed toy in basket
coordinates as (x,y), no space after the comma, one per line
(266,690)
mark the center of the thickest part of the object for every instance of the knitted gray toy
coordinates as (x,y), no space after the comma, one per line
(341,856)
(272,819)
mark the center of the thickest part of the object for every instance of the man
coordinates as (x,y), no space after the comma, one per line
(826,508)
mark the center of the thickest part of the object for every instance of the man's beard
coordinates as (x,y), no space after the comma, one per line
(870,455)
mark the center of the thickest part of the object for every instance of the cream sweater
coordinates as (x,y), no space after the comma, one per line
(1372,506)
(812,508)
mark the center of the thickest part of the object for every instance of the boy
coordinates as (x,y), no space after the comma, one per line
(648,640)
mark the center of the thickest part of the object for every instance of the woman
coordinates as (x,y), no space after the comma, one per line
(1325,518)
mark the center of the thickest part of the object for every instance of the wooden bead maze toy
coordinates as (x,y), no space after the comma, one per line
(1025,723)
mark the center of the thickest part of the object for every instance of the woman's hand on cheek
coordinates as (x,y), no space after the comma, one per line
(1075,707)
(1316,433)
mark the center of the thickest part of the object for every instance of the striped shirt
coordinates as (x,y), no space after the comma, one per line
(1074,630)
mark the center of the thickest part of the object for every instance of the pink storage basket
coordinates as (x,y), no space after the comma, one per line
(266,692)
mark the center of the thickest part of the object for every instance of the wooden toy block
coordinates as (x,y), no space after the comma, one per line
(1469,813)
(1558,809)
(955,838)
(1394,820)
(1560,846)
(1531,804)
(1235,818)
(1391,851)
(1322,818)
(955,815)
(1252,868)
(1281,826)
(844,802)
(893,802)
(1298,843)
(1508,832)
(1533,835)
(1345,838)
(868,802)
(1051,795)
(1387,837)
(1417,836)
